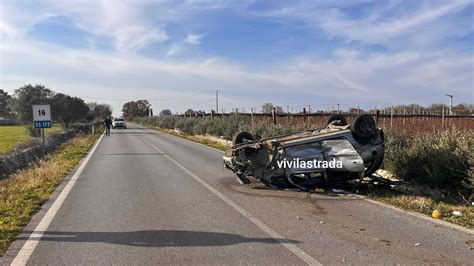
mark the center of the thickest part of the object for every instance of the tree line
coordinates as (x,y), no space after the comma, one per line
(141,108)
(65,109)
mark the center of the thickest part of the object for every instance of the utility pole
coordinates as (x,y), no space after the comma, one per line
(450,104)
(217,101)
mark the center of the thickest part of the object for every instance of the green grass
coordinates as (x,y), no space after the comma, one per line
(22,194)
(11,136)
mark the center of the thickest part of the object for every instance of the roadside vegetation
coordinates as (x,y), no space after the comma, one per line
(22,194)
(12,136)
(436,167)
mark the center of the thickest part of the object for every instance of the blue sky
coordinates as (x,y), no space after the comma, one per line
(291,53)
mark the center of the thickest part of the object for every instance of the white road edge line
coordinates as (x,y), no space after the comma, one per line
(29,247)
(267,229)
(423,217)
(386,205)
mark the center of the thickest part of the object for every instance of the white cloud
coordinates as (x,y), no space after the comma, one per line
(136,37)
(130,23)
(421,77)
(394,24)
(193,39)
(174,50)
(407,75)
(181,47)
(376,29)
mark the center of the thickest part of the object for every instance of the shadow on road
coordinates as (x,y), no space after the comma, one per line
(155,238)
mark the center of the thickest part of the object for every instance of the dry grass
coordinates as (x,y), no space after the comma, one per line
(23,193)
(199,139)
(426,205)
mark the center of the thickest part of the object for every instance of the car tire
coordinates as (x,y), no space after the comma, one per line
(363,126)
(373,166)
(242,137)
(341,118)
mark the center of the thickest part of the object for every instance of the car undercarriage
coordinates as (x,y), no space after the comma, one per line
(305,160)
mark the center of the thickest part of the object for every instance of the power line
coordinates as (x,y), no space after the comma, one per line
(294,103)
(181,97)
(155,99)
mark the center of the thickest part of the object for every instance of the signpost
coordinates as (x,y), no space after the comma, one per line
(42,117)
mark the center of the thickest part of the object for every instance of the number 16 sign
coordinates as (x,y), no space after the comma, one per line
(42,116)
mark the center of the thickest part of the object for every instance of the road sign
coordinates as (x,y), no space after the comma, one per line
(42,116)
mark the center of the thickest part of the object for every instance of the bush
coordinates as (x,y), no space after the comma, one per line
(441,161)
(167,122)
(32,132)
(186,125)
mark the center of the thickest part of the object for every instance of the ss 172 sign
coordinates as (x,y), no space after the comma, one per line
(42,116)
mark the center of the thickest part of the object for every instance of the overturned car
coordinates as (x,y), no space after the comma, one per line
(305,160)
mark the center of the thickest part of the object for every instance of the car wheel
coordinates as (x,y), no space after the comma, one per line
(363,126)
(373,166)
(336,117)
(242,137)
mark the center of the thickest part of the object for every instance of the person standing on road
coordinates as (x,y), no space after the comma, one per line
(107,125)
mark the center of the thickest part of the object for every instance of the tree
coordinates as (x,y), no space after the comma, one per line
(165,112)
(140,108)
(67,109)
(143,108)
(26,96)
(268,108)
(4,99)
(190,112)
(279,109)
(99,111)
(463,109)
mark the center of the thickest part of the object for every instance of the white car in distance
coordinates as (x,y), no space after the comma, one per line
(119,122)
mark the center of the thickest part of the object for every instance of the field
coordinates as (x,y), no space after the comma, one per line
(11,136)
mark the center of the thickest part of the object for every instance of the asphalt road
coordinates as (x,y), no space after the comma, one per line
(146,197)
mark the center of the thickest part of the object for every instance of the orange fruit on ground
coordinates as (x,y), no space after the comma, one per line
(437,214)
